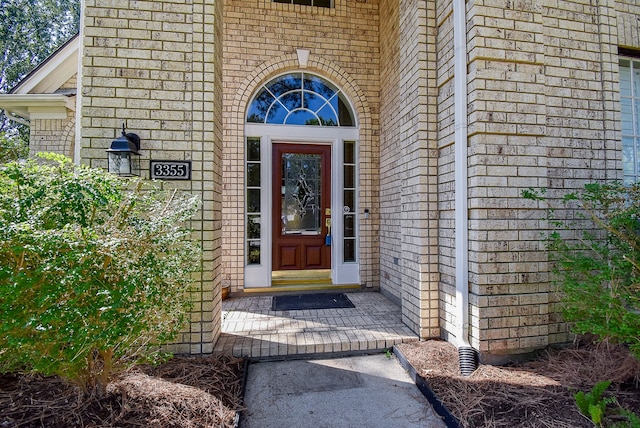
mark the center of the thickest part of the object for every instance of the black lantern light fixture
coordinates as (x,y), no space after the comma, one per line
(123,155)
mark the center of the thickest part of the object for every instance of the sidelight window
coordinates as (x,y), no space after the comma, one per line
(349,199)
(254,203)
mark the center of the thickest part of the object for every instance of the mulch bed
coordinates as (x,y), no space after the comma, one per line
(537,394)
(185,392)
(189,392)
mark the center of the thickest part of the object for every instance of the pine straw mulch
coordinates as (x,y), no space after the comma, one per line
(184,392)
(537,393)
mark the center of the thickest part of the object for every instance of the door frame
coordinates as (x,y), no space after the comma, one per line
(259,275)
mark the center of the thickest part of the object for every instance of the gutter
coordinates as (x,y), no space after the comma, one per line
(79,87)
(467,355)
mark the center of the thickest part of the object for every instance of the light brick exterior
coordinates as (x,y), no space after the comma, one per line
(54,135)
(543,111)
(409,210)
(156,65)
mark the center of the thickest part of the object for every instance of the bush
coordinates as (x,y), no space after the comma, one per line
(12,147)
(598,266)
(94,269)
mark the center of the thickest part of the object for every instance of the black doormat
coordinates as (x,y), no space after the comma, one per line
(311,301)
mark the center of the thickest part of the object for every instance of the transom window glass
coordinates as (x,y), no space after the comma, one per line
(300,99)
(318,3)
(630,106)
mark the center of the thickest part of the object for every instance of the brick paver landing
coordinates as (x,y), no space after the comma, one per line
(251,329)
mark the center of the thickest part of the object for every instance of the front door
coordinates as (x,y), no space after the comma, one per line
(301,207)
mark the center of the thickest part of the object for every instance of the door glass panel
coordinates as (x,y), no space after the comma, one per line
(349,176)
(253,226)
(284,84)
(349,226)
(253,200)
(253,174)
(253,149)
(300,191)
(313,101)
(349,201)
(253,255)
(349,250)
(349,152)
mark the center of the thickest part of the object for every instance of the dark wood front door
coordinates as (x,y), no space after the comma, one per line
(301,206)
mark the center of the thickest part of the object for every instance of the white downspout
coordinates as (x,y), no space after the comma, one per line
(468,358)
(78,137)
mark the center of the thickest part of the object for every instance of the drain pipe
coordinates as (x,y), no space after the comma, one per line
(467,355)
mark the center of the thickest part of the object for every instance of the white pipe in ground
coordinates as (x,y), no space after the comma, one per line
(468,355)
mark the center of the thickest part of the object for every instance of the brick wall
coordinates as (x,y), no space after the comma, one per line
(542,113)
(583,121)
(627,20)
(53,135)
(156,65)
(390,152)
(260,42)
(408,232)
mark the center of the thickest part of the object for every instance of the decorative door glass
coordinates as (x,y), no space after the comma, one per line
(301,192)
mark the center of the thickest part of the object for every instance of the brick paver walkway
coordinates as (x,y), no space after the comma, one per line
(251,329)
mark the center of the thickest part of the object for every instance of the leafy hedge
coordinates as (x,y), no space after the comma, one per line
(94,269)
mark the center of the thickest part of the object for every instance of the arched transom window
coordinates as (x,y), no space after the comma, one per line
(300,99)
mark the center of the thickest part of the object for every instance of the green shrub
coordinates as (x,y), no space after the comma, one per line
(12,147)
(598,263)
(95,270)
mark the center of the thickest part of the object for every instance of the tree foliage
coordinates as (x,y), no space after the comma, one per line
(598,264)
(30,31)
(94,270)
(12,148)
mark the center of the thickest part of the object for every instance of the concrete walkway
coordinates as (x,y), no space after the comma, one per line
(370,391)
(251,329)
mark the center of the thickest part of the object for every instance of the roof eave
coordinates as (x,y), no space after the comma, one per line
(54,72)
(26,107)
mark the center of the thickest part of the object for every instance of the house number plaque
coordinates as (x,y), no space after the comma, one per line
(170,170)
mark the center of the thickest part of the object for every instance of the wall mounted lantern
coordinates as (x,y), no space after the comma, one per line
(123,155)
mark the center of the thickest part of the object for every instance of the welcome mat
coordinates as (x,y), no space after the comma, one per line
(311,301)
